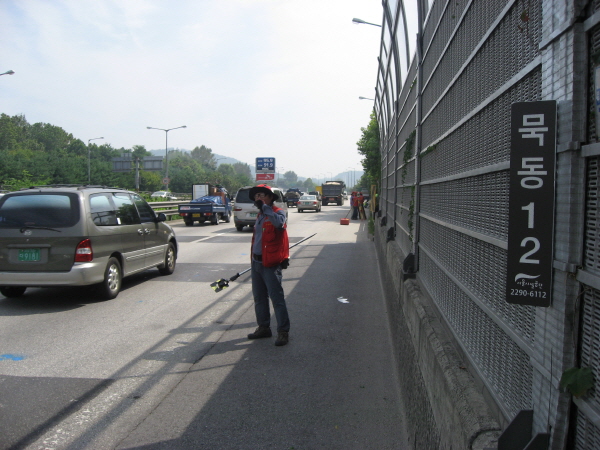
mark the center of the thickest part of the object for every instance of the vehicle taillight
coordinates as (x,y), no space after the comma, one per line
(84,252)
(237,209)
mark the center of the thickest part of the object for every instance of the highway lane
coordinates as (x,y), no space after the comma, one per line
(80,373)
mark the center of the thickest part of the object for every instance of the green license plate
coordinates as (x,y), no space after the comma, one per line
(29,254)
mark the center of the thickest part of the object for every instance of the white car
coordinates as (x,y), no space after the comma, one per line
(244,211)
(163,194)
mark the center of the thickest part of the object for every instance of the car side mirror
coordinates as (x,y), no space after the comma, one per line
(160,217)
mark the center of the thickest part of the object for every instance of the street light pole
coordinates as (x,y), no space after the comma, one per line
(365,98)
(8,72)
(355,20)
(166,148)
(89,158)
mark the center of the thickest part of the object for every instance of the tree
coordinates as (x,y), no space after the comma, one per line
(204,156)
(309,185)
(242,169)
(368,146)
(226,169)
(291,178)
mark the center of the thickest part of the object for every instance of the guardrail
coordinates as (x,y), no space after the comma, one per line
(172,207)
(158,207)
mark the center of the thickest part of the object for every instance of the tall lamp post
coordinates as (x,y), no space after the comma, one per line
(365,98)
(166,148)
(89,159)
(8,72)
(279,173)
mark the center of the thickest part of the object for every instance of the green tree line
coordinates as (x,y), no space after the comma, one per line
(368,147)
(45,154)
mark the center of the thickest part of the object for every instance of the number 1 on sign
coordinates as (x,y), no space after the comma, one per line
(529,208)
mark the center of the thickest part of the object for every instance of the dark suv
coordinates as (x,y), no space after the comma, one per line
(78,236)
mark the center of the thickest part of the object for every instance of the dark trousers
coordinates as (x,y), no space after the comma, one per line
(266,283)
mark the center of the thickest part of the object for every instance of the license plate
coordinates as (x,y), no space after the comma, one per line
(196,215)
(29,254)
(253,215)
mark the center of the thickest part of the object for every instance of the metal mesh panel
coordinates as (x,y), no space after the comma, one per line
(587,435)
(481,268)
(592,234)
(438,32)
(408,92)
(476,23)
(476,203)
(594,51)
(482,141)
(590,339)
(503,364)
(487,72)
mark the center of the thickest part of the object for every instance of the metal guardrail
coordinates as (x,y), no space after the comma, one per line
(158,207)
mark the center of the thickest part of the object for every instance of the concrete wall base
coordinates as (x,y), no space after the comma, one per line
(444,408)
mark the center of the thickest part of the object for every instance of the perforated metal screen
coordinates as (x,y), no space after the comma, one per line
(446,189)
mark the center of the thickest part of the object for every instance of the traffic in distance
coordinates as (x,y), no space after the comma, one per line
(52,236)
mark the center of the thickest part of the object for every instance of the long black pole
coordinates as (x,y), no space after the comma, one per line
(237,275)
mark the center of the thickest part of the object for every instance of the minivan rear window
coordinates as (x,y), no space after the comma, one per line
(243,196)
(39,210)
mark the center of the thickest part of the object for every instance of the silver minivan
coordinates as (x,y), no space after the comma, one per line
(244,211)
(78,236)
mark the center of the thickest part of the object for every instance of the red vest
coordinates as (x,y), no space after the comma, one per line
(275,243)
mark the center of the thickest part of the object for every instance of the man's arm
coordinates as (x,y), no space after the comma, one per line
(276,218)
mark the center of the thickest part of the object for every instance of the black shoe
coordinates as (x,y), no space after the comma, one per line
(261,332)
(282,338)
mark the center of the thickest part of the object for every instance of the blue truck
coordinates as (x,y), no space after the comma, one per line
(212,208)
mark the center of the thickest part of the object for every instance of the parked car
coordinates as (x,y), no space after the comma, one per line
(244,211)
(163,194)
(309,203)
(77,236)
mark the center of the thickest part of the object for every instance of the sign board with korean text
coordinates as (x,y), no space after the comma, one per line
(531,203)
(265,166)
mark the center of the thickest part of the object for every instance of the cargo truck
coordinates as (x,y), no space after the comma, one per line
(213,205)
(333,192)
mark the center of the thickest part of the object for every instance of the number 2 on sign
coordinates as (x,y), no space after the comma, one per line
(536,246)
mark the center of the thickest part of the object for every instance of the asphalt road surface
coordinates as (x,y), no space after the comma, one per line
(166,365)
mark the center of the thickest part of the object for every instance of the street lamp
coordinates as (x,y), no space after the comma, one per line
(353,176)
(365,98)
(89,157)
(9,72)
(166,148)
(355,20)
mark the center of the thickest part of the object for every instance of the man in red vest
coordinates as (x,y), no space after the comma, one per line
(270,254)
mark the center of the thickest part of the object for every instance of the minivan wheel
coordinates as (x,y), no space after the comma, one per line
(170,259)
(113,277)
(12,291)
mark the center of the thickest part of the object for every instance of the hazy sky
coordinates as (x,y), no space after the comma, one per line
(249,78)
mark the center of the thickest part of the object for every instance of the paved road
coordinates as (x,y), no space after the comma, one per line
(167,364)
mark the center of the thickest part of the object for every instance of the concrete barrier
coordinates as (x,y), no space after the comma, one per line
(444,405)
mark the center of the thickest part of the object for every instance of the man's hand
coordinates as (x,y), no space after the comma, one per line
(258,204)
